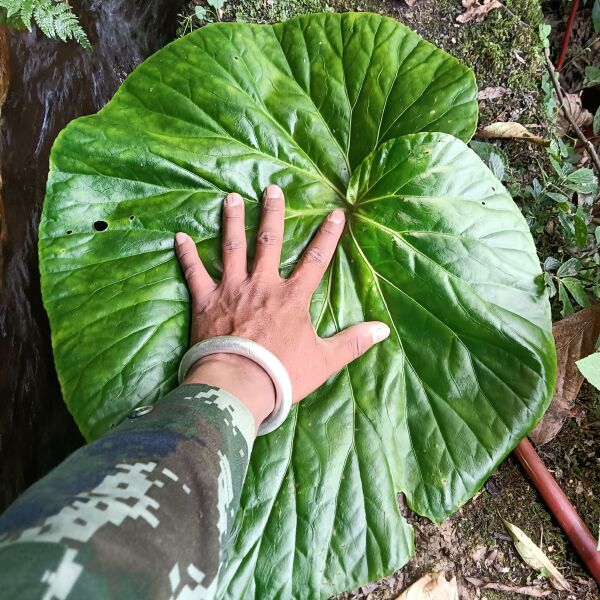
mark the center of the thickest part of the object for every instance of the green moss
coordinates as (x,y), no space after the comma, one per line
(257,11)
(504,50)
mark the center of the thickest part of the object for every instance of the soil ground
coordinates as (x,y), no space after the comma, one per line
(504,51)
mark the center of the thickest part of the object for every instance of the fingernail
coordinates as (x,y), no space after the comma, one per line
(273,192)
(180,238)
(379,333)
(337,216)
(233,200)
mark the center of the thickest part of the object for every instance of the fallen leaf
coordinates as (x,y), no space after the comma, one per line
(519,58)
(432,586)
(410,2)
(535,558)
(575,337)
(525,590)
(581,116)
(508,129)
(489,93)
(476,11)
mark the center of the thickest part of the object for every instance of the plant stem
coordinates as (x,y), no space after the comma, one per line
(582,51)
(567,112)
(567,36)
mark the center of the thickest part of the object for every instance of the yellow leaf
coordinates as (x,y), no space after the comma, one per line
(508,129)
(535,558)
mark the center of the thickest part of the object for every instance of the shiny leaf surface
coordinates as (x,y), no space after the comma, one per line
(337,110)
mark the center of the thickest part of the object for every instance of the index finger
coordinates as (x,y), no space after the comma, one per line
(199,282)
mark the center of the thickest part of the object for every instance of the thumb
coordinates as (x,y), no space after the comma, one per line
(353,342)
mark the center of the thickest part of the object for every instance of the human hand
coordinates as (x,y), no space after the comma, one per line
(264,307)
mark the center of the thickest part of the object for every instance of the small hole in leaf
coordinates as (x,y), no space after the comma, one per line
(131,217)
(236,57)
(69,232)
(100,225)
(483,203)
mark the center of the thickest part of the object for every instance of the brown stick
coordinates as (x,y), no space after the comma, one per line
(567,112)
(560,506)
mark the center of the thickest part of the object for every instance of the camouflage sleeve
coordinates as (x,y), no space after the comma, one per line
(143,512)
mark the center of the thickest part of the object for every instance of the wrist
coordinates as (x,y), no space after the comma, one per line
(239,376)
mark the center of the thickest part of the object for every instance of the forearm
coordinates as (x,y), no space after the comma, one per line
(141,513)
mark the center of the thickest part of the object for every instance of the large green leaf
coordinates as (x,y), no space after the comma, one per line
(336,110)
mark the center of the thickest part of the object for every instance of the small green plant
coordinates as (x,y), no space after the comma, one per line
(54,18)
(197,13)
(596,15)
(558,206)
(590,368)
(201,15)
(592,75)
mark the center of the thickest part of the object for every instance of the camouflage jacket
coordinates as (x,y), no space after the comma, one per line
(143,512)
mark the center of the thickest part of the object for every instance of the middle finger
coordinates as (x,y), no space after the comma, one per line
(270,233)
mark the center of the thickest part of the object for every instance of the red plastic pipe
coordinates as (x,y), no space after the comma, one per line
(564,512)
(565,43)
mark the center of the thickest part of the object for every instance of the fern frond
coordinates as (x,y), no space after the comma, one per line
(26,13)
(54,18)
(12,7)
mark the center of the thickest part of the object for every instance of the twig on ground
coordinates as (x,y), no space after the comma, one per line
(589,147)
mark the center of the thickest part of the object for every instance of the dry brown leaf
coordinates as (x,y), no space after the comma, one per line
(575,337)
(489,93)
(432,586)
(508,129)
(535,558)
(525,590)
(581,116)
(476,11)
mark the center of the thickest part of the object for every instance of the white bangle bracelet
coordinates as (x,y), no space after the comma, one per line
(230,344)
